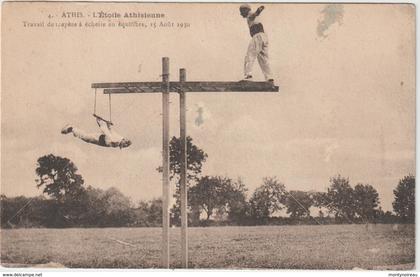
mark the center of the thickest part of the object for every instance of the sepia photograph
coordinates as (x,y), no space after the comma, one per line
(232,136)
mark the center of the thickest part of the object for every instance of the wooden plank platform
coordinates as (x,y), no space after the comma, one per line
(156,87)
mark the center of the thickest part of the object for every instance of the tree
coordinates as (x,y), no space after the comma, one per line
(149,214)
(59,177)
(366,201)
(105,208)
(13,210)
(195,159)
(267,199)
(209,194)
(26,212)
(404,201)
(319,199)
(298,203)
(237,205)
(118,208)
(340,198)
(93,208)
(220,196)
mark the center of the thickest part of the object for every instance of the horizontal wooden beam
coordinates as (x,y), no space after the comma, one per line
(151,87)
(128,85)
(242,86)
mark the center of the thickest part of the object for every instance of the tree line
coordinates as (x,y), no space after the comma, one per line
(212,200)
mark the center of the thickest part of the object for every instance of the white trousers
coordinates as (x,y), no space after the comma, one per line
(258,49)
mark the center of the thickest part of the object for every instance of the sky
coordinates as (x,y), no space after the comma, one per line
(346,104)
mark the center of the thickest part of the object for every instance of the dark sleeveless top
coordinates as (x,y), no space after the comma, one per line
(102,140)
(255,29)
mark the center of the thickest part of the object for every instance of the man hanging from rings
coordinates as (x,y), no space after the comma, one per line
(107,137)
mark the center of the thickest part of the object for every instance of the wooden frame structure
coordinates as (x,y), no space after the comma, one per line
(165,87)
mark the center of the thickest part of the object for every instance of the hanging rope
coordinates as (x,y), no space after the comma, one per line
(110,106)
(94,104)
(110,119)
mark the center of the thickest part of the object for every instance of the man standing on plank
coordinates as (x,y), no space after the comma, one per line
(258,46)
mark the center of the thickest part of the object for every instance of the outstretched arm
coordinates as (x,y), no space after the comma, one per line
(110,135)
(109,123)
(257,13)
(104,126)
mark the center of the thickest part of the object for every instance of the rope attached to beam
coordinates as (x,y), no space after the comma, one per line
(110,119)
(94,103)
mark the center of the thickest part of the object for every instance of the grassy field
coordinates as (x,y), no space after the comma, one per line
(283,247)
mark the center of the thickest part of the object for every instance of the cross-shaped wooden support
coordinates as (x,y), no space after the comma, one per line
(165,87)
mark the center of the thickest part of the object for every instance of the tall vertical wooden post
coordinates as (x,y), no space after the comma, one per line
(181,87)
(183,183)
(165,162)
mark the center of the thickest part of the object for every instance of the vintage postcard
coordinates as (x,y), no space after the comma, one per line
(208,135)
